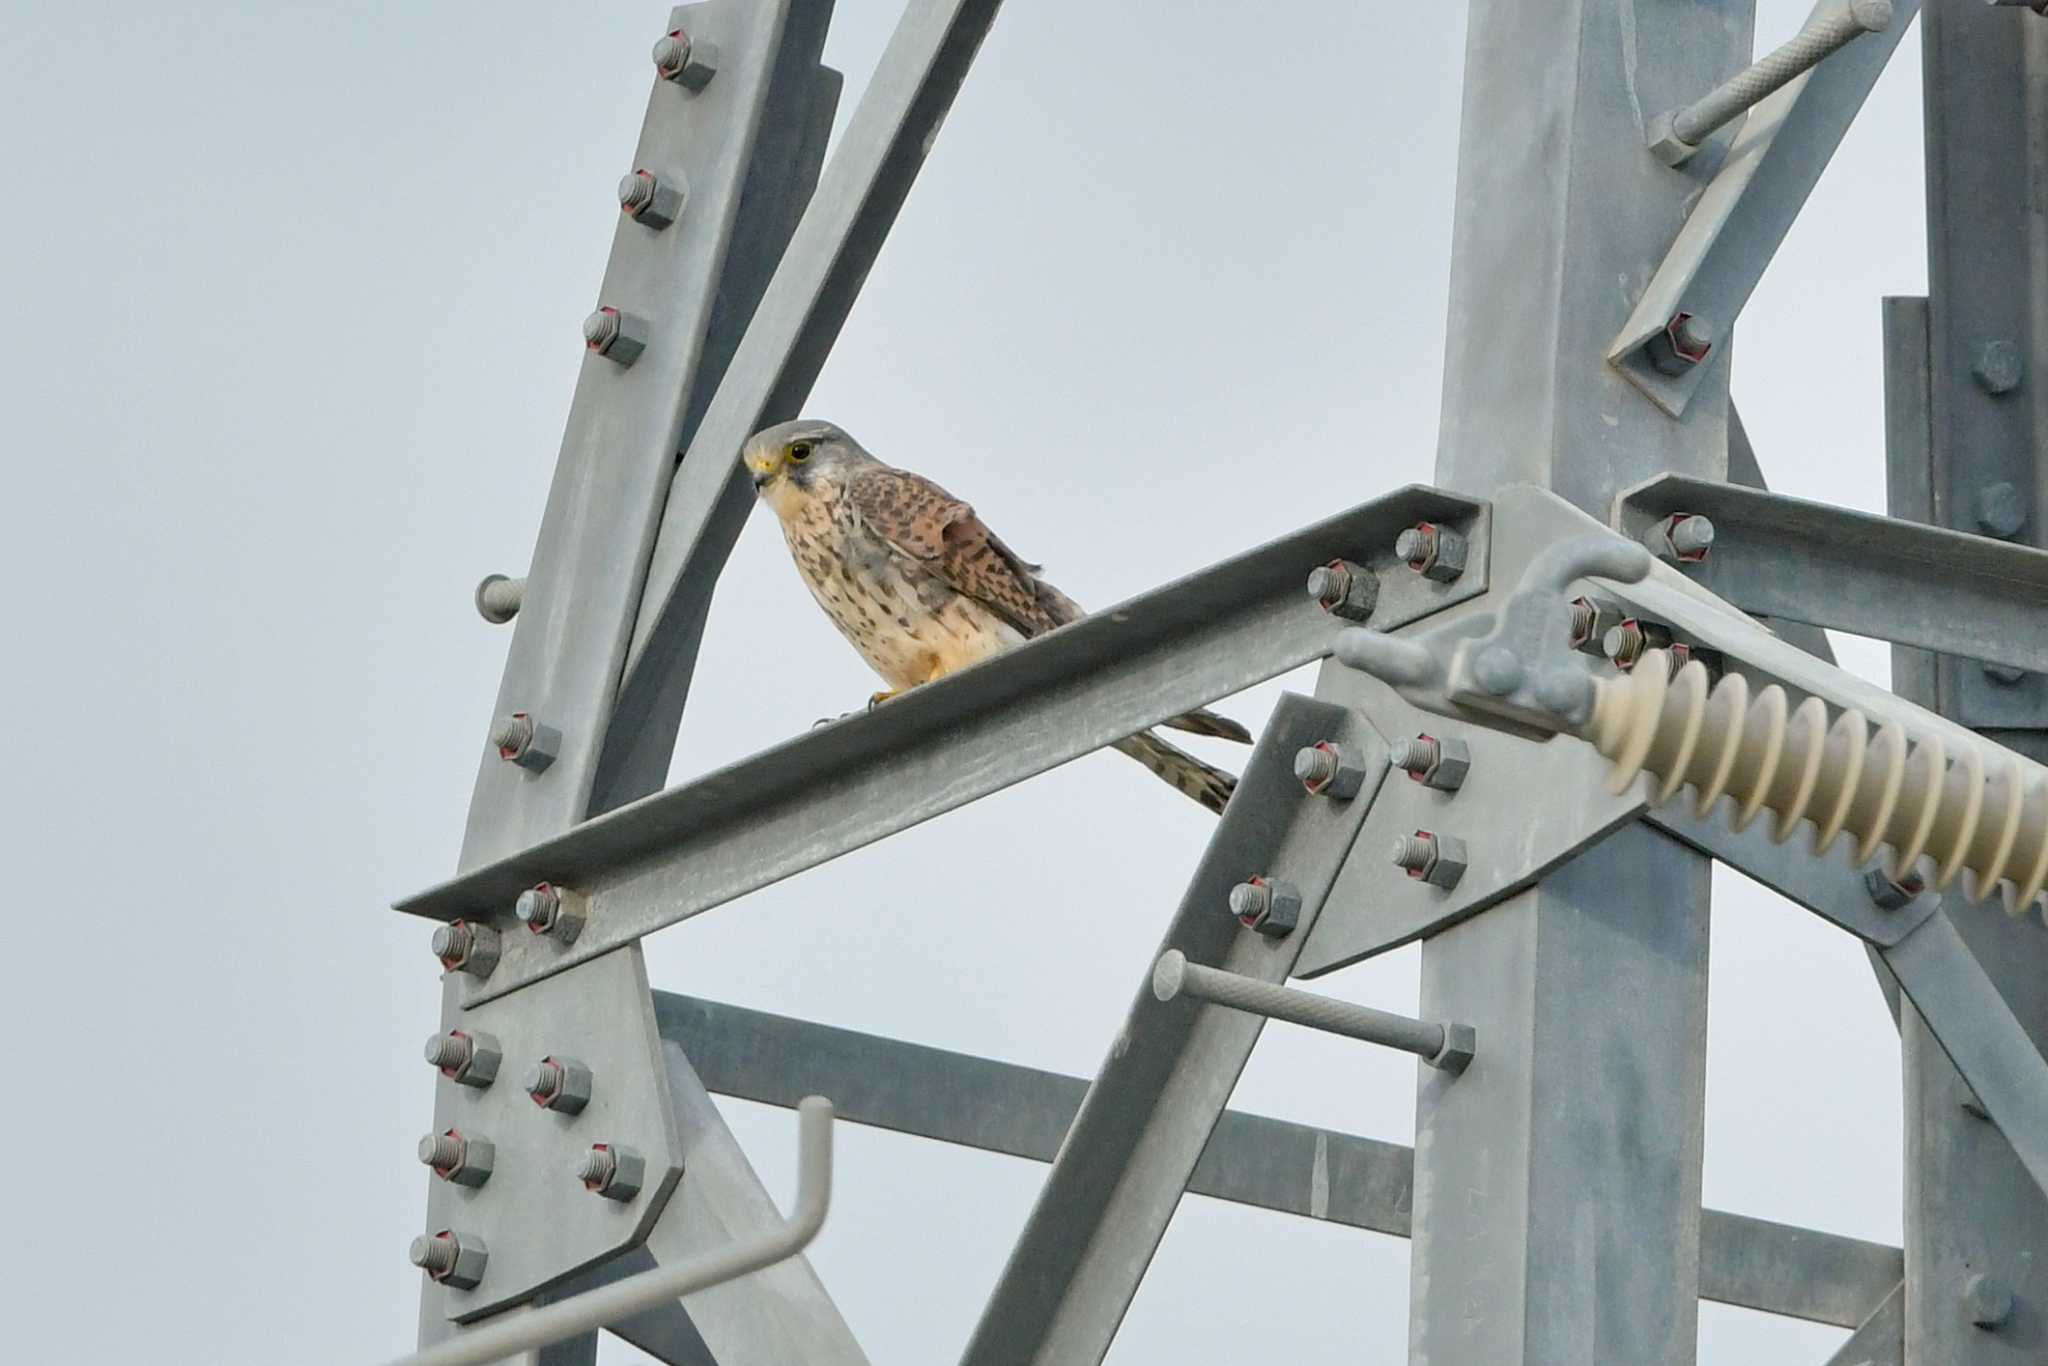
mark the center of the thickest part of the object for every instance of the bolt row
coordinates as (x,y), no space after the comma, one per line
(1347,589)
(472,947)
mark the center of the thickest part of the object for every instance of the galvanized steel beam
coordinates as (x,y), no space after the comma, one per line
(940,746)
(1874,576)
(1250,1159)
(1141,1130)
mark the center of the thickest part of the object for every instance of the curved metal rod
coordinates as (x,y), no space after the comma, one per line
(623,1299)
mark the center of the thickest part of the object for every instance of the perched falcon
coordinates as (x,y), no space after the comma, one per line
(910,575)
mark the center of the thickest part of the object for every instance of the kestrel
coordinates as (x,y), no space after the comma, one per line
(910,575)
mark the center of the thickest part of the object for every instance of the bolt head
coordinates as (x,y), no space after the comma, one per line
(1987,1300)
(571,1089)
(2004,675)
(629,1173)
(2001,510)
(1460,1041)
(1887,894)
(1998,367)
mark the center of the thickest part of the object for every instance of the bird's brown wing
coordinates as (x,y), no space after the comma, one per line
(925,523)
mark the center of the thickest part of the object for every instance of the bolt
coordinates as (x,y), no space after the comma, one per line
(1685,341)
(1585,616)
(1344,589)
(470,1059)
(613,1171)
(649,200)
(1428,857)
(1683,538)
(454,1259)
(1890,893)
(1433,551)
(1418,756)
(1998,367)
(1987,1300)
(2001,511)
(543,910)
(1496,670)
(561,1084)
(1327,771)
(1433,762)
(498,598)
(689,64)
(462,1158)
(1626,641)
(618,337)
(2004,675)
(1269,905)
(1710,660)
(463,946)
(521,740)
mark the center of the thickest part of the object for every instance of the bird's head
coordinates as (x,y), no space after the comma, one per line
(798,457)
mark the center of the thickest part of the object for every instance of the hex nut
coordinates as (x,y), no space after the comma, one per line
(476,1157)
(616,335)
(466,946)
(1460,1040)
(1451,860)
(650,200)
(466,1057)
(1591,619)
(1429,857)
(1681,538)
(1666,145)
(520,739)
(1453,762)
(456,1260)
(1271,906)
(1345,589)
(1435,552)
(690,63)
(549,910)
(1328,770)
(1681,346)
(561,1084)
(613,1170)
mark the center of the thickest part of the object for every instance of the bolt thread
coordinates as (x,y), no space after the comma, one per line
(636,191)
(538,906)
(1584,616)
(1250,899)
(498,598)
(1624,643)
(512,734)
(1417,755)
(1776,69)
(450,1052)
(1414,544)
(441,1150)
(1328,584)
(544,1081)
(1414,852)
(1315,766)
(451,942)
(1982,810)
(671,52)
(597,1167)
(601,329)
(435,1254)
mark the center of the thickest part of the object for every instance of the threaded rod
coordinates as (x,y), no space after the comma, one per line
(1806,50)
(1176,976)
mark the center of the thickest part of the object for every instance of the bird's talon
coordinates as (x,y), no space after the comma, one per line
(877,699)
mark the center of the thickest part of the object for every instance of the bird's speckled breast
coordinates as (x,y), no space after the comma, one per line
(909,624)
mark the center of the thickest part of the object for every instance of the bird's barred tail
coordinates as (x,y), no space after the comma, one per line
(1207,784)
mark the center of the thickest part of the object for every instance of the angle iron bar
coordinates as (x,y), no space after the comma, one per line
(683,851)
(589,563)
(1879,1340)
(1859,572)
(1746,211)
(1140,1132)
(1251,1160)
(821,273)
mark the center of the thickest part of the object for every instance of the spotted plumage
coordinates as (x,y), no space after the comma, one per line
(920,586)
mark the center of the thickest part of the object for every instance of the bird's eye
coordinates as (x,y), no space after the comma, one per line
(799,451)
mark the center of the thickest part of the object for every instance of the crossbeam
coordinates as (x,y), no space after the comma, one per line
(1873,576)
(1252,1160)
(684,851)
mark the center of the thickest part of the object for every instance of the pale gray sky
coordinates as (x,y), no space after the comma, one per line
(297,291)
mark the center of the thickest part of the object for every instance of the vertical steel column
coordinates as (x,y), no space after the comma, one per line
(1965,407)
(1557,1183)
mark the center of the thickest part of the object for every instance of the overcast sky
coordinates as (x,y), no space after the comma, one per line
(296,292)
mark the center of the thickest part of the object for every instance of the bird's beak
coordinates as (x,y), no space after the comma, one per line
(761,471)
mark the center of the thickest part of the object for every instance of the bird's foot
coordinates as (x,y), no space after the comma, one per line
(877,699)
